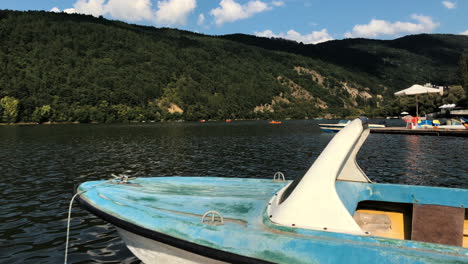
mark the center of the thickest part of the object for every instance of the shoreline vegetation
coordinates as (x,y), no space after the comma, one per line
(155,122)
(11,111)
(62,68)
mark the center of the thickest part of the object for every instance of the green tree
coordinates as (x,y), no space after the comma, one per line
(456,95)
(122,112)
(42,114)
(9,107)
(463,71)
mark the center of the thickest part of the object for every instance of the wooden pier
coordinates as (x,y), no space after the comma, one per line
(429,132)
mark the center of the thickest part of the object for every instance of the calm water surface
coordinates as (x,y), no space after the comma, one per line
(40,164)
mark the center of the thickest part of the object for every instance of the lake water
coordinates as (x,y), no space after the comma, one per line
(40,165)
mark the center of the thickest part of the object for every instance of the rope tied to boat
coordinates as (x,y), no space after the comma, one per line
(121,178)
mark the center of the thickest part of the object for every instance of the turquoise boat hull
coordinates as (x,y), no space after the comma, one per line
(169,210)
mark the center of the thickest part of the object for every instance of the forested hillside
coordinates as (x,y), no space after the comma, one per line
(61,67)
(396,63)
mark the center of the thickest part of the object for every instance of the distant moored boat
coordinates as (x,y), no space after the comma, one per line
(333,128)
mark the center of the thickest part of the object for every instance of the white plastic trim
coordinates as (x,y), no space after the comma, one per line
(351,170)
(314,203)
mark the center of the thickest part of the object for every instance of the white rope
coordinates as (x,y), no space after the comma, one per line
(68,224)
(69,216)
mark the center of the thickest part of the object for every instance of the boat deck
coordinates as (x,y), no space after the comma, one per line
(170,209)
(425,131)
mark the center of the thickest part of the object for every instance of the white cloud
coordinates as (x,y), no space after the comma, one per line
(230,10)
(70,10)
(378,27)
(313,38)
(174,12)
(277,3)
(464,33)
(448,4)
(201,19)
(91,7)
(55,9)
(170,12)
(135,10)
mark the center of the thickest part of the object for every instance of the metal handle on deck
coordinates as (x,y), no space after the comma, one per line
(212,218)
(279,177)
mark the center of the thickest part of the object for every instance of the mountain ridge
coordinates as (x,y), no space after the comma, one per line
(346,52)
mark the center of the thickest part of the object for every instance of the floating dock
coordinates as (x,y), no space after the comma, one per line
(423,131)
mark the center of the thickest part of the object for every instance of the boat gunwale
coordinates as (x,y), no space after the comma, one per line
(202,250)
(222,255)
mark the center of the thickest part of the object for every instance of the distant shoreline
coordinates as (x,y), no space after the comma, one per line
(19,124)
(163,121)
(35,123)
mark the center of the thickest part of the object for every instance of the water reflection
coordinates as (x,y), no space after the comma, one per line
(412,159)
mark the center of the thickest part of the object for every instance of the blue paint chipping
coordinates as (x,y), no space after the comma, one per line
(174,206)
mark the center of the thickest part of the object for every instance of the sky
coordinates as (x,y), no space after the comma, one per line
(307,21)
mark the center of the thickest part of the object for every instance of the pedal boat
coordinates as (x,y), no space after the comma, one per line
(334,128)
(332,214)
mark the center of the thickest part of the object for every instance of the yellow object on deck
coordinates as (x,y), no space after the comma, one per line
(465,233)
(381,223)
(390,224)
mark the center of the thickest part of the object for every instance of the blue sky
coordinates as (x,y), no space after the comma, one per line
(308,21)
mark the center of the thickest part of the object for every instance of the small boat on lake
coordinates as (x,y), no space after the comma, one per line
(331,214)
(275,122)
(454,124)
(334,128)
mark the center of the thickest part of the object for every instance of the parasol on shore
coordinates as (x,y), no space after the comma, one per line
(417,90)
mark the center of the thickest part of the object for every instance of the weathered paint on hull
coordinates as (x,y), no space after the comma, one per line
(153,252)
(173,206)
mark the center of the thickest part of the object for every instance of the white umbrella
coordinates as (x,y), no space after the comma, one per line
(417,90)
